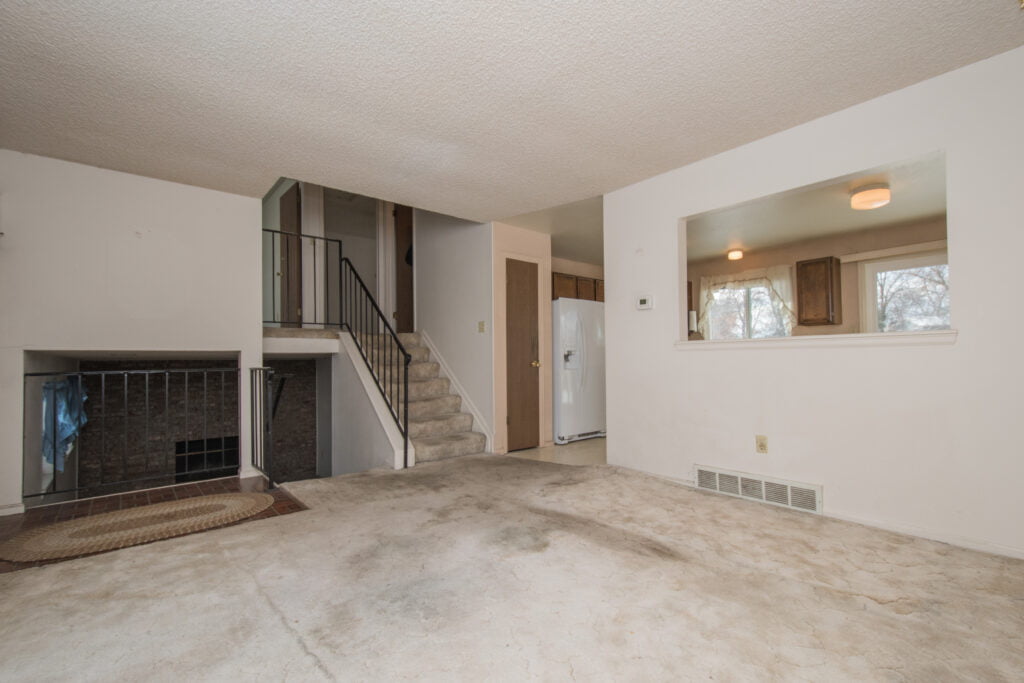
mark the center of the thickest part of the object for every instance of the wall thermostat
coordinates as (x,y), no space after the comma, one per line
(644,302)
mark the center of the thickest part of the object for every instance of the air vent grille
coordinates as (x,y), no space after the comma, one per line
(789,494)
(752,488)
(776,493)
(707,480)
(729,483)
(805,499)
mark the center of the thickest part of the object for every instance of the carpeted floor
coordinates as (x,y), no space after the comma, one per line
(506,569)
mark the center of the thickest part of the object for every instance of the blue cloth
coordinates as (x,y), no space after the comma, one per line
(63,417)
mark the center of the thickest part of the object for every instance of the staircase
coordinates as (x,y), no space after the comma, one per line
(437,427)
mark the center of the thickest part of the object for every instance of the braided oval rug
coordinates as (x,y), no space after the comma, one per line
(123,528)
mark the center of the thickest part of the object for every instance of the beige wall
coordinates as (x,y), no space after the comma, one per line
(833,245)
(534,247)
(577,268)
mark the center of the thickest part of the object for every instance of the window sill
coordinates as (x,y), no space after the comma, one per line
(936,338)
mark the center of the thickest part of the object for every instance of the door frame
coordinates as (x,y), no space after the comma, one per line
(500,353)
(386,259)
(290,263)
(387,268)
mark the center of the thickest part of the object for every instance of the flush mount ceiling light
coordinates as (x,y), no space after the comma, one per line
(870,197)
(735,254)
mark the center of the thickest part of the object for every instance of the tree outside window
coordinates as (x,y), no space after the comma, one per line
(913,299)
(908,294)
(747,312)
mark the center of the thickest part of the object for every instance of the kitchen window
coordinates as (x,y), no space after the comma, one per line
(908,294)
(755,304)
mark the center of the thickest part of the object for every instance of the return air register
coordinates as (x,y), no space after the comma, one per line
(790,494)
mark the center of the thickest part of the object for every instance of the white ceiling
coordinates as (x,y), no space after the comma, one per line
(918,191)
(479,110)
(576,229)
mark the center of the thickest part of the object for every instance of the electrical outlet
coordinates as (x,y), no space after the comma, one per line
(761,443)
(481,326)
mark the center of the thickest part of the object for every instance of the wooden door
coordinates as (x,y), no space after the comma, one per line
(291,257)
(522,355)
(404,318)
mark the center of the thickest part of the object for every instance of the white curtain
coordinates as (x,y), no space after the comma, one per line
(777,279)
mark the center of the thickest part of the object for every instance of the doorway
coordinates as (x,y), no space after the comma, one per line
(522,354)
(405,320)
(290,267)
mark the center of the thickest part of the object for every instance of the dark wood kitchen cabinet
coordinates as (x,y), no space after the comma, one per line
(818,291)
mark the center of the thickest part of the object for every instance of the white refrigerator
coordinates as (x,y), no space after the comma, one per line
(578,331)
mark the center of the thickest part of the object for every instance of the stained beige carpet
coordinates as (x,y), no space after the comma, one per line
(112,530)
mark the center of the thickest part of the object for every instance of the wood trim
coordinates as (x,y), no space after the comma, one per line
(935,338)
(920,247)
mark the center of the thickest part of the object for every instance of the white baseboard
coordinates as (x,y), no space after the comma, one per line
(12,509)
(478,420)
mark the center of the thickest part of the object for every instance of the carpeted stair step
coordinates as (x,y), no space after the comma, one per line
(439,425)
(383,348)
(417,371)
(410,339)
(418,353)
(429,407)
(448,446)
(423,370)
(428,388)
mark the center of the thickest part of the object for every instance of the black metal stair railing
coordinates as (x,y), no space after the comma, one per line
(289,260)
(380,347)
(346,303)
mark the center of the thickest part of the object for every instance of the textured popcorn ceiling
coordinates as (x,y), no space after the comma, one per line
(477,109)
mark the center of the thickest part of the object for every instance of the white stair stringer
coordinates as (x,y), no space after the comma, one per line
(480,424)
(380,406)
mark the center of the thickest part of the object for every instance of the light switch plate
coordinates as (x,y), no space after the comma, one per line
(644,302)
(481,326)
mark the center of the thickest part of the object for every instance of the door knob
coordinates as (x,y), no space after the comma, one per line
(535,364)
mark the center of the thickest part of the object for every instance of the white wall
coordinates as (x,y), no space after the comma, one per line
(366,435)
(355,224)
(914,438)
(98,260)
(452,266)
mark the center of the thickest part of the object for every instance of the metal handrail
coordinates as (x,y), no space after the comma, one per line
(262,421)
(361,315)
(275,317)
